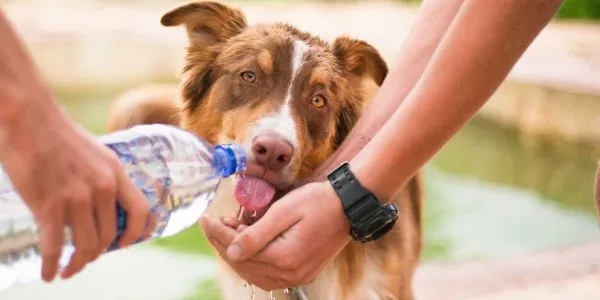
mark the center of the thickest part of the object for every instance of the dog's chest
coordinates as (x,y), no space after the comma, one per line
(371,285)
(370,282)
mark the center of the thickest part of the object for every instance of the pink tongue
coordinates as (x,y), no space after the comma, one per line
(253,193)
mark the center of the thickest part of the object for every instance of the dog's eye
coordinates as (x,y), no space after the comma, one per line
(248,76)
(318,101)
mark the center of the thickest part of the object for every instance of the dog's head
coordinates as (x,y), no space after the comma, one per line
(287,96)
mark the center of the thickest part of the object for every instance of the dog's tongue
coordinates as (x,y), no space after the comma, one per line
(253,193)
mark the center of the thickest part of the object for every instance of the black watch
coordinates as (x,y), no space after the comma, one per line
(370,220)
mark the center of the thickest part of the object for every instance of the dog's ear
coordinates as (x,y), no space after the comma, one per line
(360,58)
(347,117)
(206,23)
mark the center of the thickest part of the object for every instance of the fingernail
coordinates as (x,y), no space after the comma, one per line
(64,275)
(49,277)
(234,252)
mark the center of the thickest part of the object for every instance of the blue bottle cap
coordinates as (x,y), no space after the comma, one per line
(231,158)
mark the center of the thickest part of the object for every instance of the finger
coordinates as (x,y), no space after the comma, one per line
(150,226)
(219,231)
(246,267)
(258,274)
(220,235)
(52,237)
(106,218)
(256,237)
(84,234)
(231,222)
(133,201)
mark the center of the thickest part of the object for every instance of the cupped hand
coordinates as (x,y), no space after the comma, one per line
(68,179)
(299,235)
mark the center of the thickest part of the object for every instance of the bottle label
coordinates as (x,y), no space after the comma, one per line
(189,173)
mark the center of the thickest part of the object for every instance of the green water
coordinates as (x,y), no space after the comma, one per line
(493,193)
(488,192)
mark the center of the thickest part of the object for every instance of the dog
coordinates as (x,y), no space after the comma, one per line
(290,99)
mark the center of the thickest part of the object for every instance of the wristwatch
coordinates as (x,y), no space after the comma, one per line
(370,220)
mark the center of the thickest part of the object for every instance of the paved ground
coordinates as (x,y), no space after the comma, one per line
(565,274)
(130,274)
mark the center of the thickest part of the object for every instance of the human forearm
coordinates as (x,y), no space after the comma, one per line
(21,87)
(432,22)
(481,47)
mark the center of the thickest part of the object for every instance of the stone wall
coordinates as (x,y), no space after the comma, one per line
(558,115)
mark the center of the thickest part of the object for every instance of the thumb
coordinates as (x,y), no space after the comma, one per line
(257,236)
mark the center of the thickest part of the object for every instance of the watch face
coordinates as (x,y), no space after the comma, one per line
(376,225)
(370,220)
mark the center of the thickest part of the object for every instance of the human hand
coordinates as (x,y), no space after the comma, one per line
(68,179)
(297,237)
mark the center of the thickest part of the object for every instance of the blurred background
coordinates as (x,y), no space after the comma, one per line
(515,184)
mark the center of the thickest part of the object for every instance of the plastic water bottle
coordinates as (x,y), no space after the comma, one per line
(176,170)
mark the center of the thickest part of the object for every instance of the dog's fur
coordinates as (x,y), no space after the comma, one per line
(240,82)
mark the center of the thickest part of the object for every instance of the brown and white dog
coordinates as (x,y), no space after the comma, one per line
(290,98)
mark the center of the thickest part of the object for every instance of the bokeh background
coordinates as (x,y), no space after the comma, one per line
(514,185)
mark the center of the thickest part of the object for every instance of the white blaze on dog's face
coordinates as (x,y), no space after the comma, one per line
(273,138)
(288,97)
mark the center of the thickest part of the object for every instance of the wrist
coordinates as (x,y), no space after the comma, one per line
(371,180)
(336,208)
(9,112)
(368,217)
(26,121)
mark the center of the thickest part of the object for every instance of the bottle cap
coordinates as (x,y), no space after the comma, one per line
(233,158)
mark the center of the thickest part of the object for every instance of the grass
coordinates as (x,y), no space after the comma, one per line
(205,290)
(190,241)
(193,241)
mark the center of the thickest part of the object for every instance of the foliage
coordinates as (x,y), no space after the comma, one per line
(579,10)
(570,9)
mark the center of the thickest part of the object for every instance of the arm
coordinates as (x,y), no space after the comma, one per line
(64,176)
(434,19)
(21,87)
(482,45)
(305,229)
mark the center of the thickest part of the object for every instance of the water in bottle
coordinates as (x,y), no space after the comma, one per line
(177,171)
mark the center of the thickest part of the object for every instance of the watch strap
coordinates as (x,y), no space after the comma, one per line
(357,201)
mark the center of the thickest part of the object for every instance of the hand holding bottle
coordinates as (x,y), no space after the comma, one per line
(68,179)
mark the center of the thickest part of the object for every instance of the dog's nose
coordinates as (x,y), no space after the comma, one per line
(272,151)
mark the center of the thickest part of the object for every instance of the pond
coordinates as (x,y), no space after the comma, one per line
(490,192)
